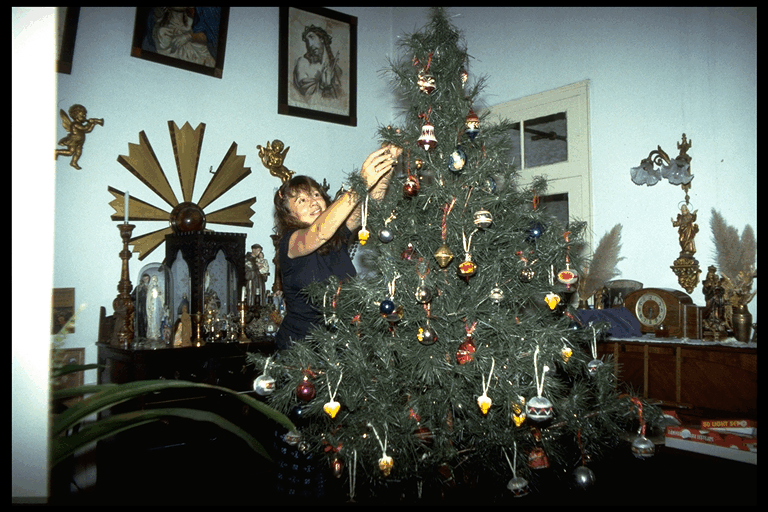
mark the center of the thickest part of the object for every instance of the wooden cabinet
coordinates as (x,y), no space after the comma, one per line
(220,364)
(703,376)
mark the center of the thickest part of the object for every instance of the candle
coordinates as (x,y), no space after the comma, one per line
(127,200)
(242,295)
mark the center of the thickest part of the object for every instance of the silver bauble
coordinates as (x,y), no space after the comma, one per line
(539,409)
(583,478)
(264,385)
(643,448)
(518,486)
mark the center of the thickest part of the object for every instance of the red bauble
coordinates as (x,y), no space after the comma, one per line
(306,390)
(465,351)
(411,186)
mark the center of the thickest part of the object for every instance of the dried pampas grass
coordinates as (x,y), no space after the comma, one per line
(736,258)
(602,266)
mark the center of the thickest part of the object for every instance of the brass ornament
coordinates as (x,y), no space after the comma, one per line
(443,255)
(272,156)
(76,128)
(186,215)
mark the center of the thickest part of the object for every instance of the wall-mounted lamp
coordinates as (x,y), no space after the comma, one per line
(658,166)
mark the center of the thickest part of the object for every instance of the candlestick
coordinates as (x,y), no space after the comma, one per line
(242,307)
(127,200)
(123,304)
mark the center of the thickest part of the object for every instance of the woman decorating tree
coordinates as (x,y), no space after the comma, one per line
(313,234)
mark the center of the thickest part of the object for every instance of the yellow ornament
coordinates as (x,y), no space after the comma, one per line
(552,299)
(363,235)
(332,408)
(484,402)
(518,414)
(566,352)
(385,465)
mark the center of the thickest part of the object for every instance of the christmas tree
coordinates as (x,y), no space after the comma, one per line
(458,352)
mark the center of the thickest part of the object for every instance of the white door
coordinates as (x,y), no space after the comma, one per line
(553,133)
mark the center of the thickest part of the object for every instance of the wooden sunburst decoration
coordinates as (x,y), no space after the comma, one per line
(185,215)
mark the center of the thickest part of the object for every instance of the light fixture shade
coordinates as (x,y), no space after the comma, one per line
(677,172)
(645,174)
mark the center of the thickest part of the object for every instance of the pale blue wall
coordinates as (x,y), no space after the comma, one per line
(655,73)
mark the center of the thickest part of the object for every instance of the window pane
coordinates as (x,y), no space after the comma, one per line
(545,140)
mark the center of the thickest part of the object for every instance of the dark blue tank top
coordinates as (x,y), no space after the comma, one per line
(299,272)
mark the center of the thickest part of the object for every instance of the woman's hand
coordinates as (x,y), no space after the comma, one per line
(379,164)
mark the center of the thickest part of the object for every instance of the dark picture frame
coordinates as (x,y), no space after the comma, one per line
(310,85)
(65,36)
(189,38)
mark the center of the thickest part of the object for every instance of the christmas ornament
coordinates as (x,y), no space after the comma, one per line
(306,390)
(264,385)
(483,219)
(426,82)
(467,347)
(496,295)
(385,462)
(517,485)
(473,125)
(642,447)
(332,407)
(387,307)
(484,401)
(385,234)
(552,299)
(534,232)
(363,234)
(423,293)
(538,459)
(467,268)
(426,335)
(518,413)
(443,255)
(407,253)
(385,465)
(337,466)
(457,159)
(411,186)
(566,352)
(427,140)
(526,275)
(583,478)
(539,408)
(595,364)
(567,276)
(463,76)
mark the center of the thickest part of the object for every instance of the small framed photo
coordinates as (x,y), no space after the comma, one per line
(318,65)
(190,38)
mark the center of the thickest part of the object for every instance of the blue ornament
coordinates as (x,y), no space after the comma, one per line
(457,159)
(534,232)
(387,307)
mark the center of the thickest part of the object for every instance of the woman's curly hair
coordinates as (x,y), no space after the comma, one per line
(286,222)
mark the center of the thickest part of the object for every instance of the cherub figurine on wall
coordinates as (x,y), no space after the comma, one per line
(272,157)
(76,127)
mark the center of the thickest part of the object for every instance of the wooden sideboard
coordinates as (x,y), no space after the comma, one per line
(220,364)
(692,374)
